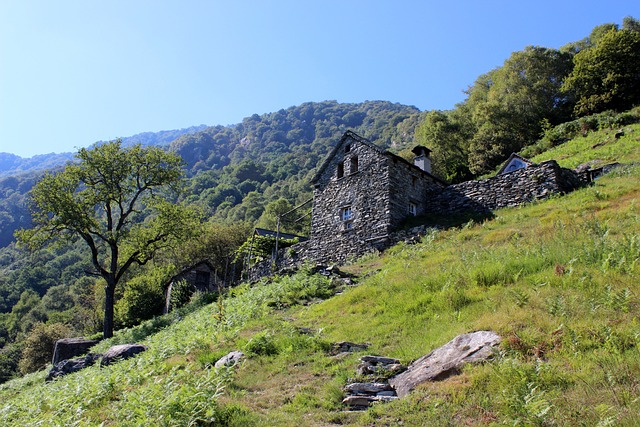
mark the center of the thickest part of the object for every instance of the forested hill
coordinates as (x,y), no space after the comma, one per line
(236,170)
(302,134)
(11,164)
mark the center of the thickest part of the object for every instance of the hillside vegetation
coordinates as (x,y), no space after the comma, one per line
(557,279)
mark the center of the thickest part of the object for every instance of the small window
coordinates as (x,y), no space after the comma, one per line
(340,169)
(347,148)
(414,180)
(413,209)
(354,165)
(347,214)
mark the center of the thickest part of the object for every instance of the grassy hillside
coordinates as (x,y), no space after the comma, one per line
(557,279)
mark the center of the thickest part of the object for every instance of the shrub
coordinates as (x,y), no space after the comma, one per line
(142,299)
(262,344)
(39,344)
(181,294)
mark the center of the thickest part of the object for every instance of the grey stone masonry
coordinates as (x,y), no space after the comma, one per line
(535,182)
(361,194)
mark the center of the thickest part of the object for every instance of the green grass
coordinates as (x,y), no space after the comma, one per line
(557,279)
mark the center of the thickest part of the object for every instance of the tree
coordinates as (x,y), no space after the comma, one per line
(446,135)
(117,200)
(39,345)
(511,103)
(606,76)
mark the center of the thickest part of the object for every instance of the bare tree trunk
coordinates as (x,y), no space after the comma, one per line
(109,302)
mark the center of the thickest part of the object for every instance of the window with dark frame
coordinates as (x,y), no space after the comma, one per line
(340,169)
(347,148)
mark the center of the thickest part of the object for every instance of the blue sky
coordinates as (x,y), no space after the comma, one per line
(75,72)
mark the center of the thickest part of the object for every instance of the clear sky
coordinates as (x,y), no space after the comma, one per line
(73,72)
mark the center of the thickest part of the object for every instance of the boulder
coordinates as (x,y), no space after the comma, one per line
(230,359)
(447,360)
(69,366)
(120,352)
(68,348)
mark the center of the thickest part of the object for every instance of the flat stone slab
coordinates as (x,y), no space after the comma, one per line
(379,360)
(121,352)
(447,360)
(348,347)
(367,388)
(366,401)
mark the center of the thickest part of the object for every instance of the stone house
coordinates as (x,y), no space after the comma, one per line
(362,193)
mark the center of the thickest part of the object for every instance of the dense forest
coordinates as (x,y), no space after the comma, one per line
(243,175)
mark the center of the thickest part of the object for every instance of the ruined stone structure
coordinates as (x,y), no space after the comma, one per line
(524,185)
(202,276)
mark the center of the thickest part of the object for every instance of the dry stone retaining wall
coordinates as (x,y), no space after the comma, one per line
(535,182)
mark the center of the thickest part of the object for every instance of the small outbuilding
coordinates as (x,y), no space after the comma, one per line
(203,276)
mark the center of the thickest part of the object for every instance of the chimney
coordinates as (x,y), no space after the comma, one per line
(422,159)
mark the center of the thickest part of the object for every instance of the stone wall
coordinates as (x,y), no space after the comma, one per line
(408,184)
(535,182)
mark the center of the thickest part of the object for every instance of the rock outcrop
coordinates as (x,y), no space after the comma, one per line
(360,395)
(114,354)
(68,348)
(447,360)
(70,366)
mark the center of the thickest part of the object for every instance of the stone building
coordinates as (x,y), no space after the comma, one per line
(361,194)
(202,276)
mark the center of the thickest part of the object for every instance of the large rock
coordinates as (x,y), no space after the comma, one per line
(230,359)
(120,352)
(72,365)
(68,348)
(447,360)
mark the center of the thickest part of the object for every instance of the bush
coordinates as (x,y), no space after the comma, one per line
(9,357)
(262,344)
(143,299)
(39,344)
(181,294)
